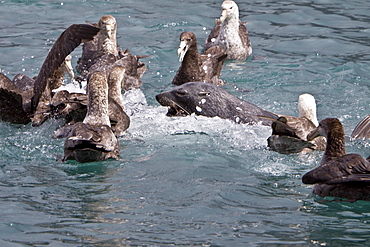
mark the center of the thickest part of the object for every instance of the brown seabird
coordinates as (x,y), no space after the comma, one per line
(195,67)
(12,100)
(23,93)
(72,106)
(230,33)
(339,174)
(93,139)
(64,45)
(104,50)
(289,133)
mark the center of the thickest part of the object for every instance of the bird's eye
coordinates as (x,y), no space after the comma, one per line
(181,93)
(204,93)
(231,7)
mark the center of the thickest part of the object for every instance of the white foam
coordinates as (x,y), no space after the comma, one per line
(151,123)
(72,87)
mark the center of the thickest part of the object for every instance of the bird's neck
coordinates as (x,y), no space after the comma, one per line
(191,59)
(309,114)
(97,109)
(335,146)
(115,81)
(108,45)
(231,21)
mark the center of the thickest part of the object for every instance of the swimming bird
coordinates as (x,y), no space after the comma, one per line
(198,67)
(230,33)
(73,106)
(20,90)
(104,49)
(207,99)
(103,56)
(339,174)
(104,42)
(93,139)
(289,133)
(362,130)
(22,95)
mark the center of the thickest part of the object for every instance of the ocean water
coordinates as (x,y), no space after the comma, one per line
(190,181)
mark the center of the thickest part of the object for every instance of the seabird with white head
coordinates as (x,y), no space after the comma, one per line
(289,133)
(230,33)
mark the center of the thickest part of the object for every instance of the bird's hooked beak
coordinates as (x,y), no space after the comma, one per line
(109,30)
(223,15)
(68,66)
(181,51)
(313,134)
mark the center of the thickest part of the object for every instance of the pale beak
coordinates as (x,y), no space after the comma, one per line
(181,51)
(68,66)
(223,15)
(108,29)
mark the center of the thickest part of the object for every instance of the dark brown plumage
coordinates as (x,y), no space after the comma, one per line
(103,51)
(25,93)
(284,138)
(204,67)
(339,174)
(12,100)
(70,106)
(64,45)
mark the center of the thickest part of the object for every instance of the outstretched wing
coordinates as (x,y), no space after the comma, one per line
(64,45)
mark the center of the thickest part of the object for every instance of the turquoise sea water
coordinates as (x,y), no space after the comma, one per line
(190,181)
